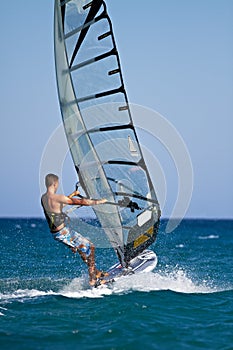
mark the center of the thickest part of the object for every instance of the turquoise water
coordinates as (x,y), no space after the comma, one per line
(186,303)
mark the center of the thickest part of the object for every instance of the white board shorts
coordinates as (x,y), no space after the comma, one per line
(73,239)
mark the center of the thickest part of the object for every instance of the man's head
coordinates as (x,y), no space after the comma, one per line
(51,179)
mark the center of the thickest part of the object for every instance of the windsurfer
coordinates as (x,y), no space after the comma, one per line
(52,204)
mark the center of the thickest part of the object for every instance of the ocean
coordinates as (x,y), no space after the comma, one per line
(185,303)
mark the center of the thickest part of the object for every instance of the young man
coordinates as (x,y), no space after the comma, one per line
(52,204)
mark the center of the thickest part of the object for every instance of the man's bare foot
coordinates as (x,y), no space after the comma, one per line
(92,282)
(95,283)
(99,273)
(103,282)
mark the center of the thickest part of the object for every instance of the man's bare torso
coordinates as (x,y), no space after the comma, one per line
(51,203)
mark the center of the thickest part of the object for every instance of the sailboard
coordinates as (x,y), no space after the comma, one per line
(144,262)
(99,128)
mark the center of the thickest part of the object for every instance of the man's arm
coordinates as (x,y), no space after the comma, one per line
(62,199)
(85,201)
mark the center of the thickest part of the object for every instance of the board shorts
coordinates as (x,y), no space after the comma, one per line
(73,239)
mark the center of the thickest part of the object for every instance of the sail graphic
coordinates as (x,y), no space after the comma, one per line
(99,126)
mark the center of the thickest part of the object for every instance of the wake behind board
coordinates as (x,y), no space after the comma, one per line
(144,262)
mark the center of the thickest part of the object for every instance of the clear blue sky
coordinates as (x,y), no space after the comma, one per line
(177,59)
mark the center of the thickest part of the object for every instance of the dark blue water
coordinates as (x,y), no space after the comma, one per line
(186,303)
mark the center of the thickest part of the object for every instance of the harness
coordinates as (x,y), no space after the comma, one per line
(54,220)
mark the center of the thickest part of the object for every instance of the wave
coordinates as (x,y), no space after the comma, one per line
(24,294)
(3,309)
(176,281)
(209,237)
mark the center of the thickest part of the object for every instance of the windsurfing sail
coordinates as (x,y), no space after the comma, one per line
(99,126)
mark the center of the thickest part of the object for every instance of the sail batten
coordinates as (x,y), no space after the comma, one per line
(92,60)
(87,5)
(100,94)
(99,126)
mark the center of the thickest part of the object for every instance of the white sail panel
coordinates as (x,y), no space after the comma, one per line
(99,126)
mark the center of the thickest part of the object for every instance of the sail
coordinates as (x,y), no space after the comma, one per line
(99,126)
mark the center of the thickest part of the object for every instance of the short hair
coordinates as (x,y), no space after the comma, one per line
(50,179)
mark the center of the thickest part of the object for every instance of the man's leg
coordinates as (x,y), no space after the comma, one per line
(90,261)
(91,266)
(77,243)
